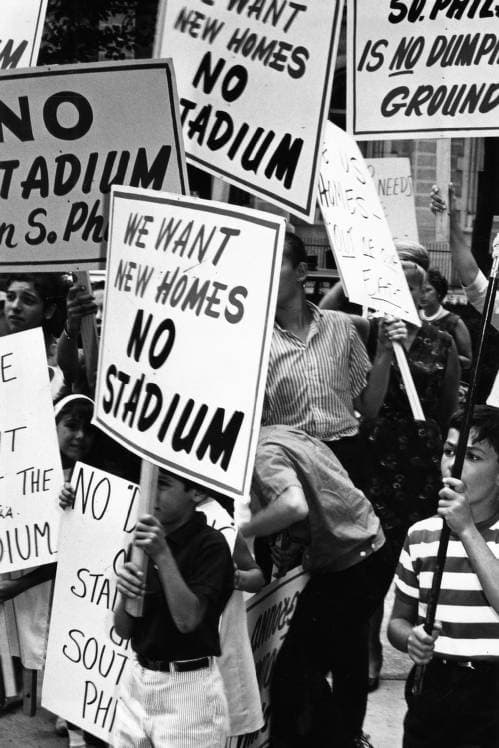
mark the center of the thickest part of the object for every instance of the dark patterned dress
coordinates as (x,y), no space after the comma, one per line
(403,455)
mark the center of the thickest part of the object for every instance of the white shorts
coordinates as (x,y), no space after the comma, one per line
(171,710)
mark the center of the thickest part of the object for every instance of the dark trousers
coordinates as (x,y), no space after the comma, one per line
(328,634)
(457,708)
(348,451)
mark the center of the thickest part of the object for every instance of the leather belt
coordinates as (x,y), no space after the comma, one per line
(485,666)
(174,666)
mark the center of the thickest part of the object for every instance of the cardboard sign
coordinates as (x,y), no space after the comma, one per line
(422,69)
(21,28)
(30,465)
(255,80)
(269,615)
(84,652)
(188,318)
(66,135)
(393,182)
(358,233)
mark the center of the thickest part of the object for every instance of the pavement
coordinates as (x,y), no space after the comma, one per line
(385,713)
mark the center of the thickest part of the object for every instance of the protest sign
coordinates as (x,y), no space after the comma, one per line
(254,82)
(393,182)
(422,69)
(269,615)
(188,317)
(359,235)
(21,28)
(30,465)
(84,652)
(67,134)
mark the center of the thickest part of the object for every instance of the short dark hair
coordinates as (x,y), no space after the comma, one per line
(485,423)
(294,248)
(439,283)
(51,288)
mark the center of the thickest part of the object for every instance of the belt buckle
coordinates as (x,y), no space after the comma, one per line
(468,664)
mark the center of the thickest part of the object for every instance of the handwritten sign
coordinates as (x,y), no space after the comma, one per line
(189,312)
(269,616)
(66,135)
(84,652)
(393,182)
(30,465)
(359,235)
(422,69)
(255,80)
(21,28)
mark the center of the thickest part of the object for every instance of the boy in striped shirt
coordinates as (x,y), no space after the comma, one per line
(459,702)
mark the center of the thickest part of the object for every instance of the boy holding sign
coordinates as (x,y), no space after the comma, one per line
(172,693)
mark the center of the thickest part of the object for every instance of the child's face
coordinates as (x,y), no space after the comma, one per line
(480,473)
(75,436)
(174,502)
(24,308)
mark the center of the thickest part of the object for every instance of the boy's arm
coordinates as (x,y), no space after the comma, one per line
(131,585)
(454,507)
(186,608)
(288,508)
(10,588)
(466,265)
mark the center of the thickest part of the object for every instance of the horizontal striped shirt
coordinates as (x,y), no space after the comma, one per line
(470,626)
(311,385)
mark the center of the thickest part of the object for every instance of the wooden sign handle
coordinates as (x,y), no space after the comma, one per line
(410,387)
(148,488)
(9,678)
(88,332)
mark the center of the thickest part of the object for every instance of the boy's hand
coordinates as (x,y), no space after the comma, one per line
(67,497)
(420,645)
(79,304)
(130,580)
(454,506)
(150,536)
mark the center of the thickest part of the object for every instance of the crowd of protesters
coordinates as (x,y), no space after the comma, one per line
(346,484)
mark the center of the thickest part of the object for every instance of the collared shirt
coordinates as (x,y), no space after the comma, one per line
(205,563)
(342,526)
(476,292)
(311,385)
(470,625)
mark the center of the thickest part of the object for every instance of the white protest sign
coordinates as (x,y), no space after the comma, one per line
(188,319)
(393,181)
(30,465)
(358,233)
(67,134)
(269,616)
(422,69)
(254,82)
(84,652)
(21,28)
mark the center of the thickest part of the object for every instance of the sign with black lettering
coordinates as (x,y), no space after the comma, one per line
(188,318)
(269,615)
(392,179)
(423,69)
(21,27)
(358,233)
(30,465)
(254,81)
(84,652)
(67,134)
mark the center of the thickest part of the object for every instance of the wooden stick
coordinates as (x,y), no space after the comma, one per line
(30,678)
(410,387)
(148,488)
(88,332)
(9,678)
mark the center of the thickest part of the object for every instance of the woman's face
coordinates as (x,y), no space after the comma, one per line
(24,308)
(415,283)
(76,437)
(429,299)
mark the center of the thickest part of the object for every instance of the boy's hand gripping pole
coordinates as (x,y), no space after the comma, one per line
(457,467)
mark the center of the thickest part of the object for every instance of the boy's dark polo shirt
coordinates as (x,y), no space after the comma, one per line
(205,563)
